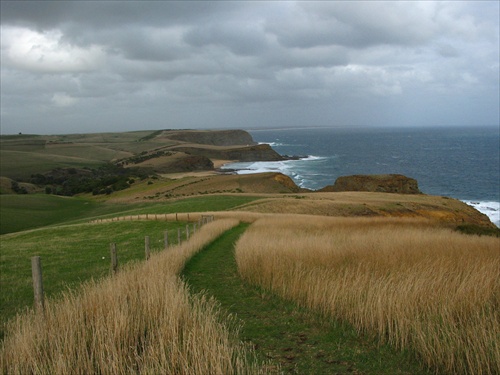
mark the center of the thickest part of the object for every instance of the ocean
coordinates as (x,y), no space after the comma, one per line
(458,162)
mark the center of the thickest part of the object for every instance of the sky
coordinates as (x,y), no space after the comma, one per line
(98,66)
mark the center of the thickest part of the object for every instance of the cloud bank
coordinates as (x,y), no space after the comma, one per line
(74,66)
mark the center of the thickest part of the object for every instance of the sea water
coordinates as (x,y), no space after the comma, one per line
(458,162)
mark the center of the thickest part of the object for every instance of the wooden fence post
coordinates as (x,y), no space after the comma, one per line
(165,240)
(114,259)
(146,247)
(178,236)
(36,271)
(176,217)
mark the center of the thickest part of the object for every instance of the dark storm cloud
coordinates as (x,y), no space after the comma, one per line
(160,64)
(44,14)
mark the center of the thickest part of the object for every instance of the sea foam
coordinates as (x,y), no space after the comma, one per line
(491,209)
(290,168)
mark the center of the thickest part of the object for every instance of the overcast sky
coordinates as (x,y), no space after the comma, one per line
(87,66)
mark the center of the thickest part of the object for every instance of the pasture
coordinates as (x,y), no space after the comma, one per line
(22,164)
(419,288)
(142,320)
(71,249)
(22,212)
(71,255)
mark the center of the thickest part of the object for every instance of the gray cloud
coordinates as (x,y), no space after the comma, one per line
(87,66)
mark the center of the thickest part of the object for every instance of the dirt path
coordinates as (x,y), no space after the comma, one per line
(300,341)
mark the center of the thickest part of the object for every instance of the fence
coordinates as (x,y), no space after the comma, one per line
(36,262)
(203,219)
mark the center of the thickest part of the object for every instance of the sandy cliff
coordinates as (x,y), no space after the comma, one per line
(387,183)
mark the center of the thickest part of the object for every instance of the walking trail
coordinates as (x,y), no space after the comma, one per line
(300,341)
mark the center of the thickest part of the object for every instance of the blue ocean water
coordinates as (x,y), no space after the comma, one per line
(459,162)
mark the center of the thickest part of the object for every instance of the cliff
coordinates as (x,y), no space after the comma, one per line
(212,137)
(387,183)
(261,152)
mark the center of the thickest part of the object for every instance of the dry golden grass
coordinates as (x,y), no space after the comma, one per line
(143,320)
(430,290)
(444,211)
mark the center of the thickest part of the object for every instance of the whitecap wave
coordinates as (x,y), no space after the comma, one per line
(273,144)
(290,168)
(489,208)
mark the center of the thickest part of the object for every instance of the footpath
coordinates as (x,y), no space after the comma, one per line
(296,339)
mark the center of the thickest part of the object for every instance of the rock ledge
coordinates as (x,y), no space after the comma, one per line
(385,183)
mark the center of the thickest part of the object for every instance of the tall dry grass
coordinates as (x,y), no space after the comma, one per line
(143,320)
(430,290)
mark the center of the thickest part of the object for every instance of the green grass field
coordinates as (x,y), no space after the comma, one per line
(21,164)
(22,212)
(38,224)
(24,155)
(70,255)
(90,152)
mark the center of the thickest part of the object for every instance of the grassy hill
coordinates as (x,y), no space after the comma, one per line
(21,212)
(24,155)
(58,230)
(73,235)
(74,253)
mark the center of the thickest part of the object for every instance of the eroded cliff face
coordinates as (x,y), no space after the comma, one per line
(387,183)
(262,152)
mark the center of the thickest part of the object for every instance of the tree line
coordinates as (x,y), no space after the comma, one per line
(103,180)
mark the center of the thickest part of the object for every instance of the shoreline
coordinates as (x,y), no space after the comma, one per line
(488,207)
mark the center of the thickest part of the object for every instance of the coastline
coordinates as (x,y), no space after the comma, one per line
(487,207)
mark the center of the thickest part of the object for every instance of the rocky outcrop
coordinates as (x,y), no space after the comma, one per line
(214,137)
(386,183)
(262,152)
(287,183)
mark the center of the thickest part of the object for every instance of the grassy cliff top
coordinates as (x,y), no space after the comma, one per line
(24,154)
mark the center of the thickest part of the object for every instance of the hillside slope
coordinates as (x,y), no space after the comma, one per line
(279,194)
(24,155)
